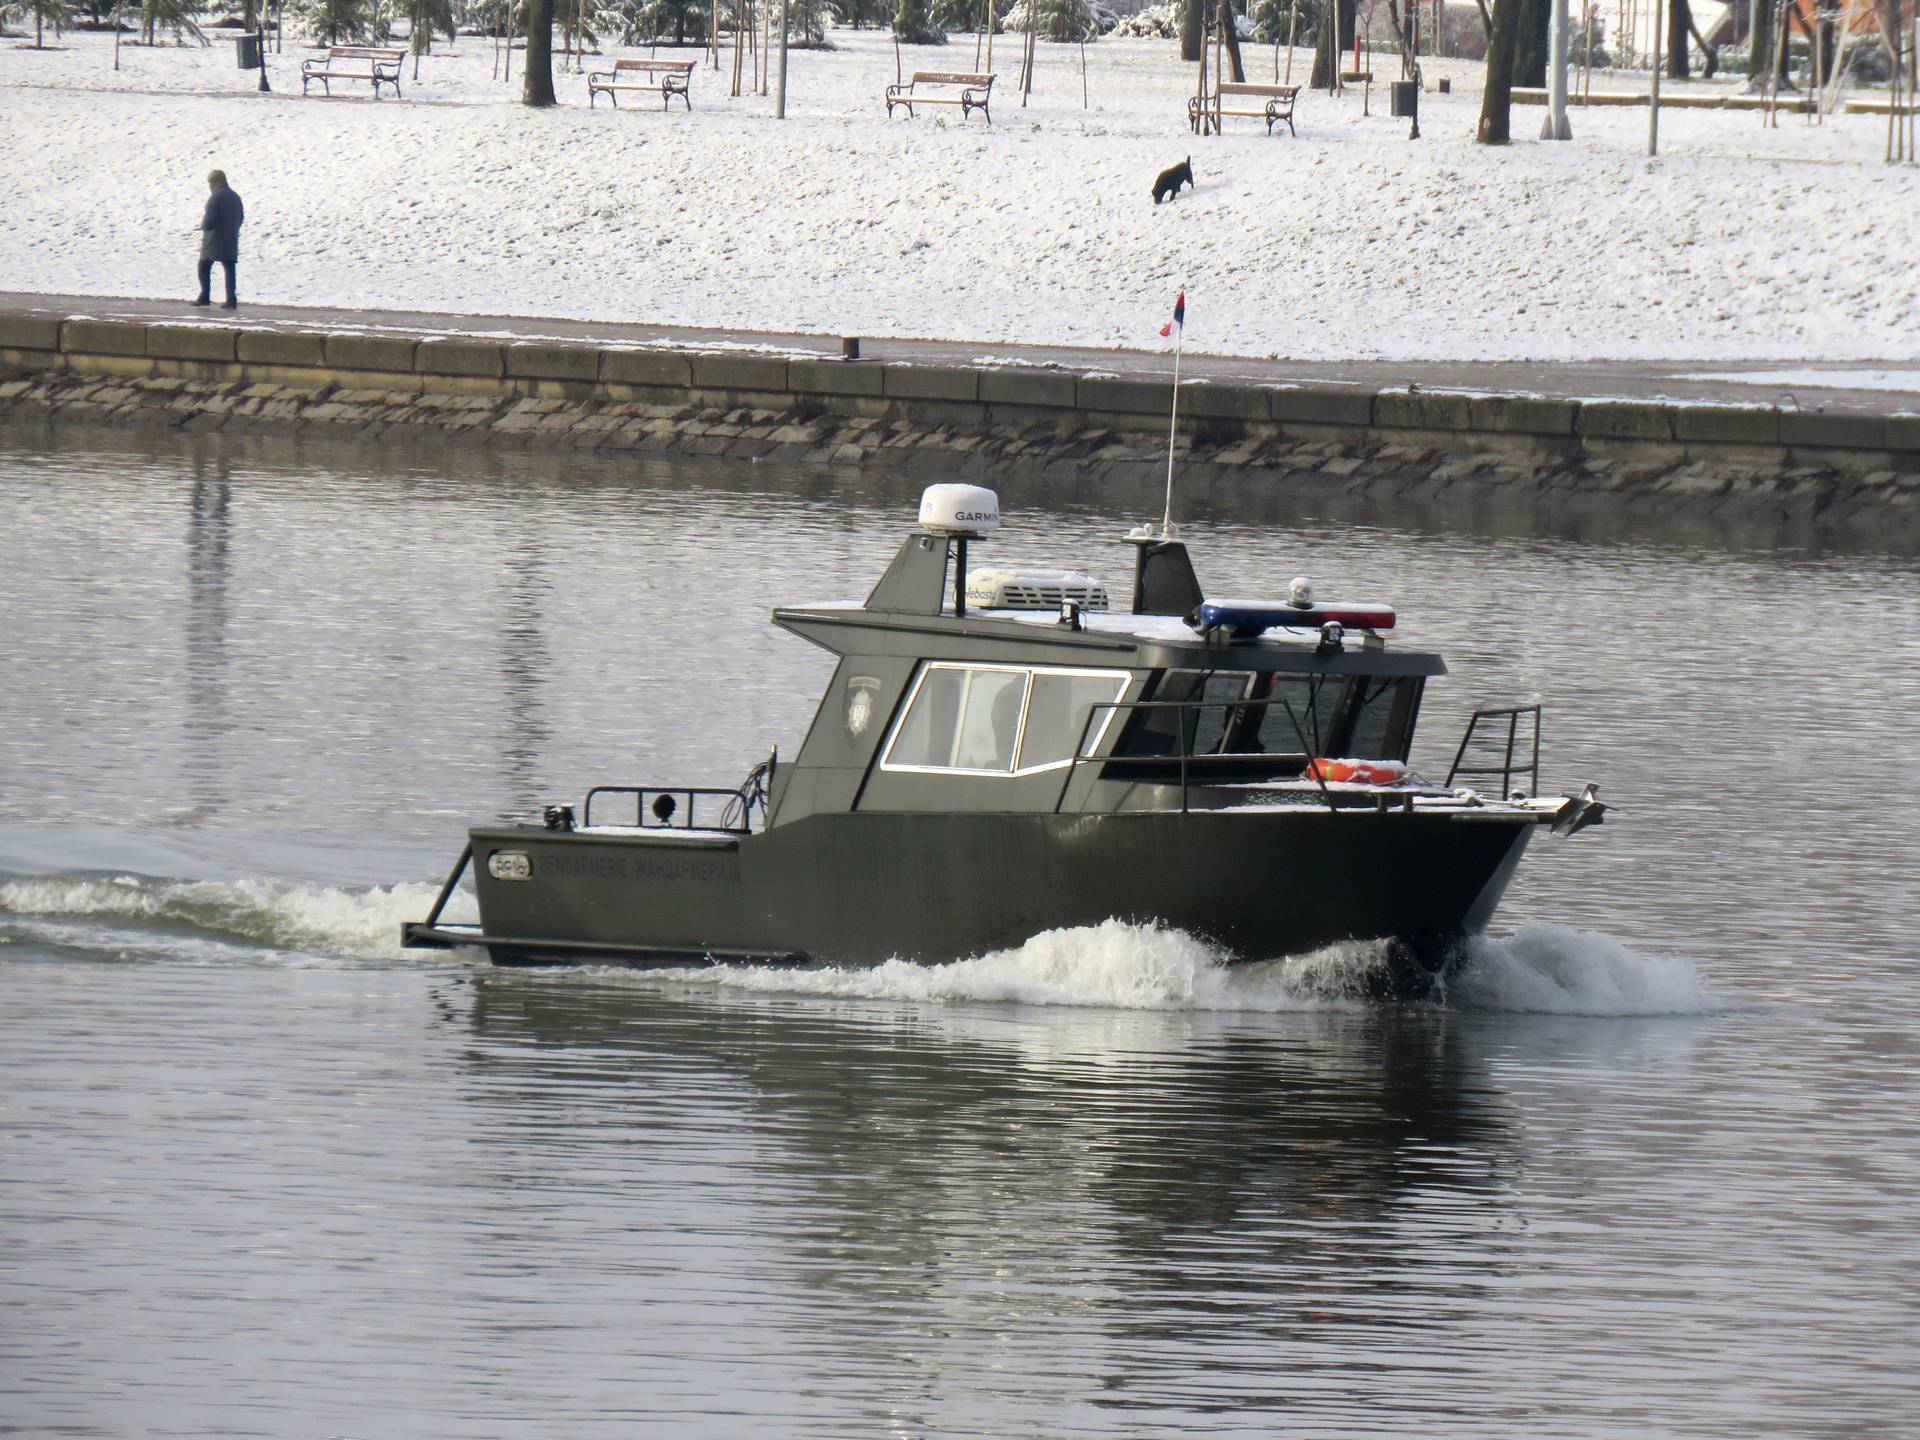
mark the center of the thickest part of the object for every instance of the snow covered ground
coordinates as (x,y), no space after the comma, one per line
(1738,243)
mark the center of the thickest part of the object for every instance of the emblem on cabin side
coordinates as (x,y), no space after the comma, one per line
(861,690)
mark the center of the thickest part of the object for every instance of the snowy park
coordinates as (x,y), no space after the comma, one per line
(1350,240)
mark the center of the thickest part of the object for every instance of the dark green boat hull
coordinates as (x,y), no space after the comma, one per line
(864,887)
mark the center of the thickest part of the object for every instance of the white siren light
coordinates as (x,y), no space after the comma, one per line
(959,510)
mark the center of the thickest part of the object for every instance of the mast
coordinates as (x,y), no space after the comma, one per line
(1173,417)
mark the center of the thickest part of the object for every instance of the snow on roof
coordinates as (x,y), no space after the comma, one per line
(1152,629)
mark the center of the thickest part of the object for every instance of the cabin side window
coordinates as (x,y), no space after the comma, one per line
(961,718)
(980,719)
(1062,711)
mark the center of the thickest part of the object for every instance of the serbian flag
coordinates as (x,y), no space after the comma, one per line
(1176,327)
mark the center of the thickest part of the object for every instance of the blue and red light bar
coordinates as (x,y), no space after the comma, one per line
(1247,618)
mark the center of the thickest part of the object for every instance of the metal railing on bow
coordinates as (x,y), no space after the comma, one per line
(1506,745)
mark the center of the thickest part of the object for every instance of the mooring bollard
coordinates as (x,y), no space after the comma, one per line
(850,347)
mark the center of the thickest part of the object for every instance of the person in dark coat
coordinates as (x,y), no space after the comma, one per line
(220,235)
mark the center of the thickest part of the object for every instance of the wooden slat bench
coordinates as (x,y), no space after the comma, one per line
(665,78)
(354,62)
(1272,103)
(935,87)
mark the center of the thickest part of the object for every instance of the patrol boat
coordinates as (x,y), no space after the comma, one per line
(998,754)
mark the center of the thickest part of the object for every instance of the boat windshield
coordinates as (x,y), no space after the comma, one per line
(1283,719)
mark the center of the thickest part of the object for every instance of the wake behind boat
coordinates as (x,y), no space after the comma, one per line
(998,755)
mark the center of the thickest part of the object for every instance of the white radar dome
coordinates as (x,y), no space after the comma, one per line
(959,509)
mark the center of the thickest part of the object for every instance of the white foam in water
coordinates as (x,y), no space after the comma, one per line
(1543,969)
(1115,963)
(320,919)
(1557,970)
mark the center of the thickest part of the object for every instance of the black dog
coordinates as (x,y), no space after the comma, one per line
(1169,182)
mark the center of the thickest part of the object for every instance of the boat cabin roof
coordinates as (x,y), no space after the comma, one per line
(918,611)
(1105,638)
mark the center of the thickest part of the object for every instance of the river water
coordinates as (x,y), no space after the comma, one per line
(1650,1168)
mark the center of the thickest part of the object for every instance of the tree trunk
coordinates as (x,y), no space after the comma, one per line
(1759,41)
(1336,32)
(1710,66)
(1679,21)
(1530,43)
(537,73)
(1230,32)
(1495,108)
(1193,30)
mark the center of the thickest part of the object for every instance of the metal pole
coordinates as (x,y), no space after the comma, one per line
(1556,126)
(780,91)
(1659,59)
(1166,517)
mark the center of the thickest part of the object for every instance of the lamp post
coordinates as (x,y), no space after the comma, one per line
(1556,126)
(1653,111)
(780,91)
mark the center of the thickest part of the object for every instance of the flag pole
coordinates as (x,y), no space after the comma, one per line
(1179,338)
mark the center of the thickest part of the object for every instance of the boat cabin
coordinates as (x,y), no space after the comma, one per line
(942,703)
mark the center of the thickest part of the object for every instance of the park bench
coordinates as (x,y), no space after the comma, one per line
(354,62)
(665,78)
(937,87)
(1272,103)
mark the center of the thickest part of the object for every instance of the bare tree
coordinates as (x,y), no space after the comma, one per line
(1336,28)
(1496,107)
(1230,33)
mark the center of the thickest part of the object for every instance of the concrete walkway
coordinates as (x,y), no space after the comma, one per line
(1587,380)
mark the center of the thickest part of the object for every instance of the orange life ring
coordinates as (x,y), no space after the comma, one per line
(1357,772)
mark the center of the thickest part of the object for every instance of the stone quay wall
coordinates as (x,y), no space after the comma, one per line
(980,422)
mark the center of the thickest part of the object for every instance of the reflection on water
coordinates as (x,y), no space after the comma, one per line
(208,528)
(994,1175)
(265,1174)
(1219,1121)
(524,669)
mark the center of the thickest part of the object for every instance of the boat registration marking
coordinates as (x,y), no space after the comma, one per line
(509,865)
(646,864)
